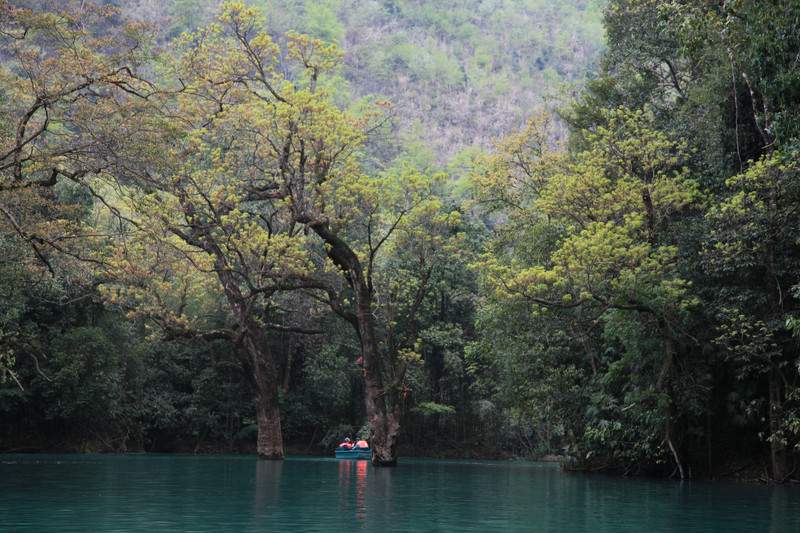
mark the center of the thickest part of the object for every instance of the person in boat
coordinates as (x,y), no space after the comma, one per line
(361,443)
(346,443)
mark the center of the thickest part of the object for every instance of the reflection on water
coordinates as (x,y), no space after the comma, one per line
(243,494)
(268,483)
(353,488)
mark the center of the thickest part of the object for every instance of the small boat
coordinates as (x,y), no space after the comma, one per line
(353,453)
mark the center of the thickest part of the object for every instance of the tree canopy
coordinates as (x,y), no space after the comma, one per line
(222,224)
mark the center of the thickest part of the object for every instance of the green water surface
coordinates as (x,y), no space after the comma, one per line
(98,493)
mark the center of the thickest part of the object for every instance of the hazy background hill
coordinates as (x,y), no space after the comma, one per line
(459,71)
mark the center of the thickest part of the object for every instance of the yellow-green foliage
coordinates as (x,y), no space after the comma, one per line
(238,163)
(609,203)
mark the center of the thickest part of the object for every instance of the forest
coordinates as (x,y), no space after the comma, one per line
(471,229)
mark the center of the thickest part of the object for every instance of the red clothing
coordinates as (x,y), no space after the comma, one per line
(345,445)
(362,443)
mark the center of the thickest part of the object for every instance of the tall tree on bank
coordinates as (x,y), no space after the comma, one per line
(752,252)
(612,205)
(724,75)
(734,90)
(58,77)
(755,219)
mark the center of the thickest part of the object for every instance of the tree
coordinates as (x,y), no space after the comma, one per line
(356,217)
(426,238)
(58,75)
(612,206)
(752,250)
(759,49)
(204,216)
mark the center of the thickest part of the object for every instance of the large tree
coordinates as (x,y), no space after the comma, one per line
(252,177)
(57,82)
(397,214)
(613,265)
(197,198)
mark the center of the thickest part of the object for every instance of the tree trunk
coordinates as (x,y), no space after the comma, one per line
(384,420)
(778,453)
(269,444)
(259,367)
(382,405)
(666,370)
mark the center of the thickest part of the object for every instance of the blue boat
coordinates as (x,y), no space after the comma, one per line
(353,453)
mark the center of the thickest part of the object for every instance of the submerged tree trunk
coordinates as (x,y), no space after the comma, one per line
(259,369)
(384,423)
(382,405)
(269,444)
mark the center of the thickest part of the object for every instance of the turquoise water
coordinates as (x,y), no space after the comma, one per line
(98,493)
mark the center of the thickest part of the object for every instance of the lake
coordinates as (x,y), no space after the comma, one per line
(102,493)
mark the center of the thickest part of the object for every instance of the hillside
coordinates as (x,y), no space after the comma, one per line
(459,71)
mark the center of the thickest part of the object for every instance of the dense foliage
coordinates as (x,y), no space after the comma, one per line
(659,249)
(224,236)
